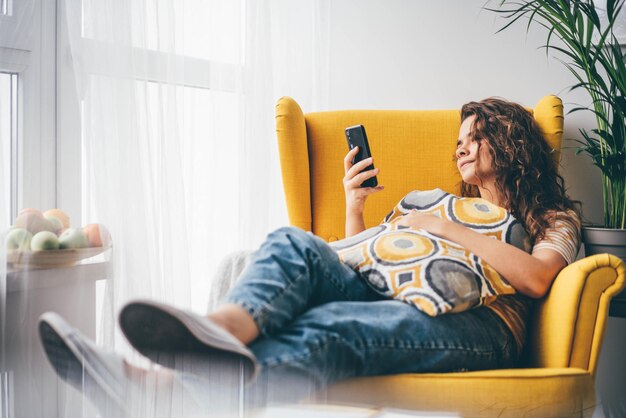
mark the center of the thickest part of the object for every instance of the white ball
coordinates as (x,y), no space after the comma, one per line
(18,239)
(44,240)
(73,238)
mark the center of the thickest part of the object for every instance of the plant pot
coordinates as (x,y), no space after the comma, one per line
(598,240)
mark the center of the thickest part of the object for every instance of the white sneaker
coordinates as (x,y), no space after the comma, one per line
(184,341)
(98,373)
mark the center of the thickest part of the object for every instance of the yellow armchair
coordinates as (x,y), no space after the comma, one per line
(414,151)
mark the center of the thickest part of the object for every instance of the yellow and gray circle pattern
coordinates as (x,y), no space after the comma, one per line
(431,273)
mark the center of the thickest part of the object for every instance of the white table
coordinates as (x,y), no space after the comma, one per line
(29,386)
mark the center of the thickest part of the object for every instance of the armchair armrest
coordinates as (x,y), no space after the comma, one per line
(568,325)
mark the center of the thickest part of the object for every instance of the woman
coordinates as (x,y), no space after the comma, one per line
(298,311)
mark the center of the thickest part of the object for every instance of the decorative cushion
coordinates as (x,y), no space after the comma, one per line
(433,274)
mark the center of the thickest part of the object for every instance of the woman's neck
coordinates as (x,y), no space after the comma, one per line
(491,194)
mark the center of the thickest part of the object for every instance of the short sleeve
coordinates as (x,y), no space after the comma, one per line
(563,236)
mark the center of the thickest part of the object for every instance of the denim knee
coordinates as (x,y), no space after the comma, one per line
(294,234)
(291,270)
(303,242)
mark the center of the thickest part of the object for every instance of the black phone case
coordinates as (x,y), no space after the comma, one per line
(355,135)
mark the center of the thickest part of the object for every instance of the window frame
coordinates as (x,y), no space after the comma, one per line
(33,59)
(12,156)
(6,7)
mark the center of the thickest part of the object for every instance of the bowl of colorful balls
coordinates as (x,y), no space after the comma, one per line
(47,240)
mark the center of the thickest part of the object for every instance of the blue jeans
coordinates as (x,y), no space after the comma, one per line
(319,319)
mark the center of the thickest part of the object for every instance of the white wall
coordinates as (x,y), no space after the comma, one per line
(407,54)
(417,54)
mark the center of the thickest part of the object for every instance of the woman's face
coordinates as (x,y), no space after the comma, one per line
(473,160)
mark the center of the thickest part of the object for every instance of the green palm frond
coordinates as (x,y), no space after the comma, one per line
(591,52)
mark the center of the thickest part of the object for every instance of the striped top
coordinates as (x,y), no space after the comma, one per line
(563,237)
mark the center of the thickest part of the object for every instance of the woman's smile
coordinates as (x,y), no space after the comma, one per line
(465,163)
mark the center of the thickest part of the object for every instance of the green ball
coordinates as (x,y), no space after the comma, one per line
(73,238)
(18,239)
(44,240)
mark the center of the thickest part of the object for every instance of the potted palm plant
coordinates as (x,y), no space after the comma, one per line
(594,56)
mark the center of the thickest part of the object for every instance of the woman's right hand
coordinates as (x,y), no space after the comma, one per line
(355,194)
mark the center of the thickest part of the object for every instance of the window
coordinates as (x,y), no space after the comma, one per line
(187,59)
(203,37)
(8,143)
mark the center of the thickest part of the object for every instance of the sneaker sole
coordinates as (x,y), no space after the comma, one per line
(165,337)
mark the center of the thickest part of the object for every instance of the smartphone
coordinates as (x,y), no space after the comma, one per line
(357,138)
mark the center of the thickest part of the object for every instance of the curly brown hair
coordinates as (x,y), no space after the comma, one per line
(526,173)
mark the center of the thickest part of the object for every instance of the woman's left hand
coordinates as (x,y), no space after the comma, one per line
(426,221)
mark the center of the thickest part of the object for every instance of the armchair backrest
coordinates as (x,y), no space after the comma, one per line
(414,151)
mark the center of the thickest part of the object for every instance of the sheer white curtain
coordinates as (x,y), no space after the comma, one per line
(179,156)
